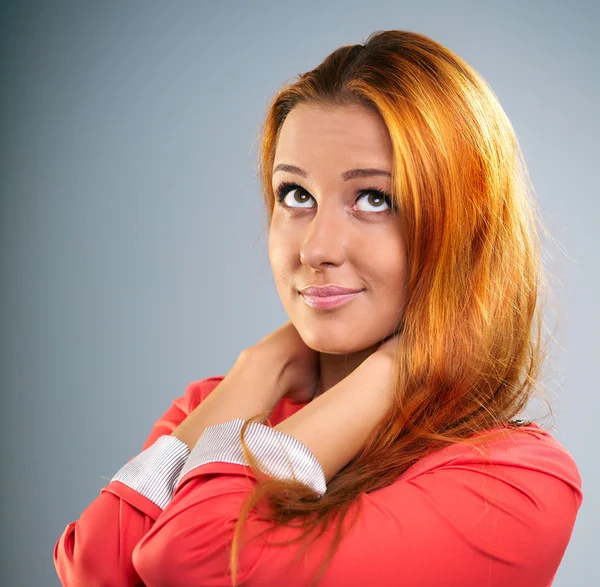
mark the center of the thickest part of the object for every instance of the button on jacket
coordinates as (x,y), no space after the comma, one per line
(453,519)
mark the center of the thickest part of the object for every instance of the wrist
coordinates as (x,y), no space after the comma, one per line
(265,358)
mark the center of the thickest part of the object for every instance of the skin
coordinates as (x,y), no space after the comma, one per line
(336,232)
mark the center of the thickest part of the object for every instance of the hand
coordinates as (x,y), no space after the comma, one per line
(389,346)
(285,350)
(280,365)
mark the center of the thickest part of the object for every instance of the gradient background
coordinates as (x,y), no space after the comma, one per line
(133,251)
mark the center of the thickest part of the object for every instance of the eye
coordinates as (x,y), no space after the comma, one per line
(301,196)
(379,200)
(376,198)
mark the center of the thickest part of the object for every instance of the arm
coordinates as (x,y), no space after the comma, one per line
(96,549)
(456,518)
(337,424)
(253,385)
(279,365)
(361,399)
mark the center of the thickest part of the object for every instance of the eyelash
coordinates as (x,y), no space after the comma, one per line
(284,188)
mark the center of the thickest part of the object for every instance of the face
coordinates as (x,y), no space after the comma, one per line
(335,228)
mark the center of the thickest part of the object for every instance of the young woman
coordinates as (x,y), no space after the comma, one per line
(370,440)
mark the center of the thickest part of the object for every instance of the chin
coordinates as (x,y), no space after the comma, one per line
(328,343)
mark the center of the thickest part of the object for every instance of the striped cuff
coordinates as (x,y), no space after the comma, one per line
(277,450)
(153,472)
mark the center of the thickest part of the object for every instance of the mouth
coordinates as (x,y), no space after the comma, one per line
(320,302)
(328,290)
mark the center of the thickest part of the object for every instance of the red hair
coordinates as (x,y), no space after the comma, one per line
(471,348)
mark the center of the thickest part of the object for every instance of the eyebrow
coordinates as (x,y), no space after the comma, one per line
(346,175)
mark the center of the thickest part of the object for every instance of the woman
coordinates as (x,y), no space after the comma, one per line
(370,440)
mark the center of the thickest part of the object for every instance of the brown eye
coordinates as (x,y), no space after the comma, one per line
(299,195)
(380,201)
(375,198)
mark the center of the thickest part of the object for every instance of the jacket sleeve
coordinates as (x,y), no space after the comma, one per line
(97,548)
(456,518)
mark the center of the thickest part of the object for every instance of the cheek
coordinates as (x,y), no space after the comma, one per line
(389,271)
(281,264)
(275,248)
(282,250)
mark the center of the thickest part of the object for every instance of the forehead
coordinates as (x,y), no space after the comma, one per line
(310,133)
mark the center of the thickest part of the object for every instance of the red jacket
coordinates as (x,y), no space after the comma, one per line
(453,519)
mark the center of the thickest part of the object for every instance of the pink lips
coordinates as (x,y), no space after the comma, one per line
(327,290)
(323,303)
(330,296)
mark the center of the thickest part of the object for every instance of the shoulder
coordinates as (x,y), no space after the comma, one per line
(504,508)
(518,451)
(524,472)
(516,497)
(533,449)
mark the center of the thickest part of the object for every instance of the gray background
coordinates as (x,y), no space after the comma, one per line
(133,250)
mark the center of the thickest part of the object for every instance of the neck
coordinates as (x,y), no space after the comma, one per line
(335,367)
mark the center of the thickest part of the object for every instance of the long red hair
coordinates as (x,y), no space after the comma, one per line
(471,348)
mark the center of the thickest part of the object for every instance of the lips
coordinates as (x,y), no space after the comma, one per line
(329,302)
(327,291)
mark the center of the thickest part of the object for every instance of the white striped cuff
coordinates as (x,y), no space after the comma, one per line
(275,449)
(153,472)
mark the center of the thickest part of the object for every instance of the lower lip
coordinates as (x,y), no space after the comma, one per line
(325,303)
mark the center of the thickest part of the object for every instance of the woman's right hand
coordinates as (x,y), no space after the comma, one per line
(298,364)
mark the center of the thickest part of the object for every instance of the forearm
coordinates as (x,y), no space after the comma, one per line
(252,386)
(337,424)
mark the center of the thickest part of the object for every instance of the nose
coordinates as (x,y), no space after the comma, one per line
(325,239)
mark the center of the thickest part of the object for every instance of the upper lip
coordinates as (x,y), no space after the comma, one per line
(327,290)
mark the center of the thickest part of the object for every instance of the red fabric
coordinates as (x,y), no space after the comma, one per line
(454,518)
